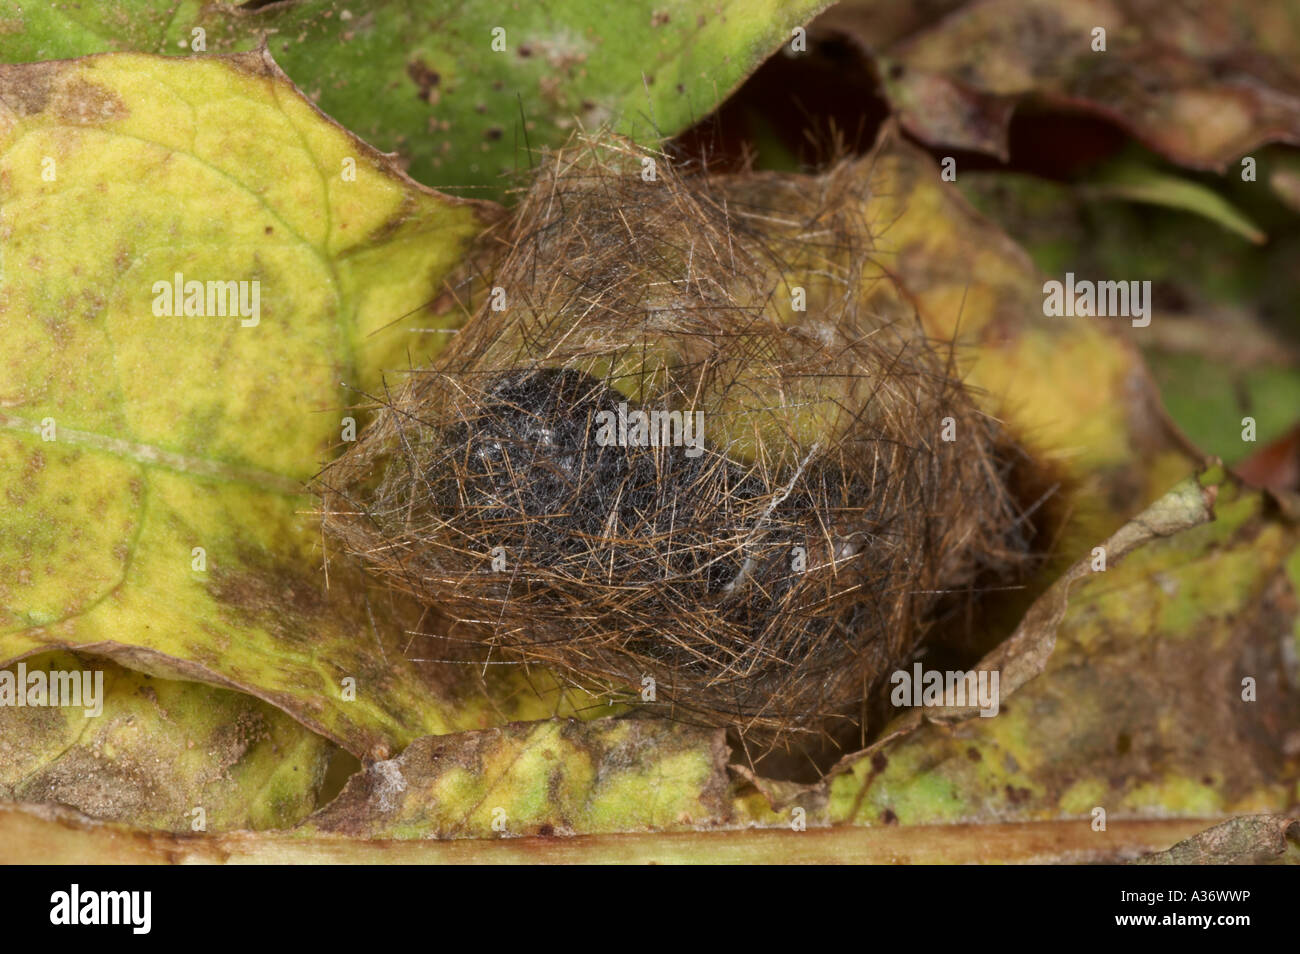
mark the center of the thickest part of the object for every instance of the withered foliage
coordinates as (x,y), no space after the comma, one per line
(769,582)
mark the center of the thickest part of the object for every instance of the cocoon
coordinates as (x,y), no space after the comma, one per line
(836,498)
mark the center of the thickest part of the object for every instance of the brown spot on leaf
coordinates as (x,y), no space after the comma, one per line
(254,64)
(117,788)
(425,78)
(269,597)
(82,103)
(27,87)
(1017,795)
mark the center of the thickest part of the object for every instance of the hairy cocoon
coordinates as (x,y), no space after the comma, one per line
(772,580)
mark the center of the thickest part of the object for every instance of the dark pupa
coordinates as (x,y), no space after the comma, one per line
(694,440)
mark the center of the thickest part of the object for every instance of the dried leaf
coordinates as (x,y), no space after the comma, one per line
(1254,839)
(1200,83)
(157,753)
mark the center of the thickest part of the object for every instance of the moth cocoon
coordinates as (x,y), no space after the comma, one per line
(705,443)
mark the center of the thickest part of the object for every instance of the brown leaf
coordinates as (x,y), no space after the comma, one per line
(1251,840)
(1202,83)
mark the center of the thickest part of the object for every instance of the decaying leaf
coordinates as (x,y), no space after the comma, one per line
(1251,839)
(154,443)
(1171,691)
(1202,83)
(547,778)
(1025,653)
(176,756)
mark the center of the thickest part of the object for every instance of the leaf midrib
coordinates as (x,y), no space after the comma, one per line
(153,456)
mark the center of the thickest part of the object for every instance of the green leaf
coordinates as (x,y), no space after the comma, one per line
(1138,182)
(423,78)
(153,464)
(1209,400)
